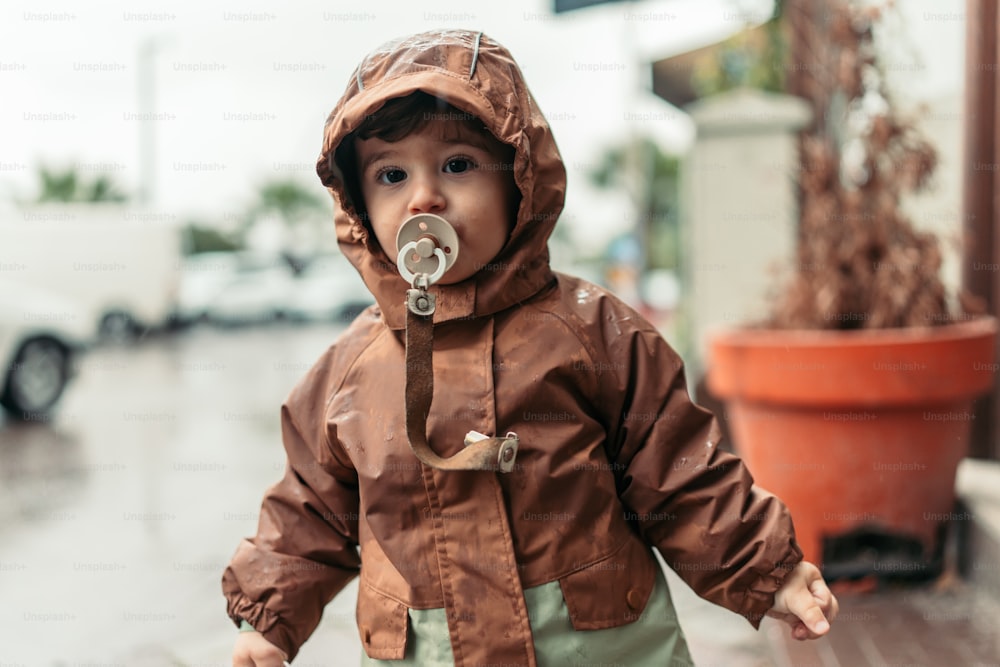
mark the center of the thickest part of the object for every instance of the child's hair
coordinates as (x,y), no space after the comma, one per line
(395,120)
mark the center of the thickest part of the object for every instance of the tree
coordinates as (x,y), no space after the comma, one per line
(67,185)
(292,202)
(297,208)
(200,237)
(657,223)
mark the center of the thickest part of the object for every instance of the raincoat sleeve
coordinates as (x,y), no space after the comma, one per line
(305,549)
(731,541)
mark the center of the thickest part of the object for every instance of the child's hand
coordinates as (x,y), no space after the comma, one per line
(805,602)
(252,650)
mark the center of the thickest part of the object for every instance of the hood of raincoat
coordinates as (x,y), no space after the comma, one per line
(478,76)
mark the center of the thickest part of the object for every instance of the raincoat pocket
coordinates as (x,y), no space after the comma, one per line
(613,591)
(382,624)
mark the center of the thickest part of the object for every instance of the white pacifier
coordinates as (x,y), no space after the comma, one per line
(428,246)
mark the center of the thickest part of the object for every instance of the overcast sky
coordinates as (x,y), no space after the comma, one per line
(241,90)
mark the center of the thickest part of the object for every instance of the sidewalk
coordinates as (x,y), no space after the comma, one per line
(913,626)
(952,622)
(958,626)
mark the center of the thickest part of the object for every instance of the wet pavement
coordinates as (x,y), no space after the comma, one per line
(118,515)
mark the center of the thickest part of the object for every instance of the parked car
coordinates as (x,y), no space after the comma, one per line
(329,288)
(230,288)
(40,335)
(202,278)
(249,287)
(255,290)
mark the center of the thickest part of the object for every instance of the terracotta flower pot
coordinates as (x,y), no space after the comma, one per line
(856,430)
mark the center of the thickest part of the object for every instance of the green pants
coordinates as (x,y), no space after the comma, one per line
(653,640)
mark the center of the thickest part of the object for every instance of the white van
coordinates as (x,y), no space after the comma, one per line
(119,264)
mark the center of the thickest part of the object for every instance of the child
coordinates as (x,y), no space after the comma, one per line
(548,563)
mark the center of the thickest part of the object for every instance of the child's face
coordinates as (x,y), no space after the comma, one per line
(448,169)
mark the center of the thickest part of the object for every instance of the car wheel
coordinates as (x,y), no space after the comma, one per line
(118,327)
(36,379)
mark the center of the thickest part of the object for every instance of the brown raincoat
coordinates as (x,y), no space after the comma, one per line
(614,457)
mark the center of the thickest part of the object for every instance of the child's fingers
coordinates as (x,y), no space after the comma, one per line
(269,661)
(805,602)
(802,604)
(252,650)
(816,621)
(825,598)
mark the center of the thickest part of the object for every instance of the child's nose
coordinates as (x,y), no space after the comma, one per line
(426,197)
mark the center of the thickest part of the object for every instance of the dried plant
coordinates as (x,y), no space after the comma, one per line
(860,262)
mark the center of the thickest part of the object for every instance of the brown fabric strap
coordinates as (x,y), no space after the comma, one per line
(481,452)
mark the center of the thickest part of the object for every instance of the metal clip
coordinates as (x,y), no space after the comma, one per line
(508,452)
(420,302)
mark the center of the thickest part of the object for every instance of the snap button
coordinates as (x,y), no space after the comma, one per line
(634,599)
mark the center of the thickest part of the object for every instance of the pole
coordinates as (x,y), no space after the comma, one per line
(980,189)
(146,107)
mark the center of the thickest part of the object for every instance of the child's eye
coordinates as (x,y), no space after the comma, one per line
(390,175)
(458,165)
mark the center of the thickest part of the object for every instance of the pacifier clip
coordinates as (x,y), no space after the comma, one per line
(428,242)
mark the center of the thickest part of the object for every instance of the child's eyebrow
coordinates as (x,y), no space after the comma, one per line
(375,157)
(473,140)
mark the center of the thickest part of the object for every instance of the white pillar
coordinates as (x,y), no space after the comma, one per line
(738,208)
